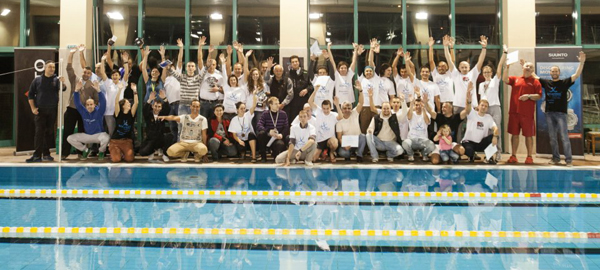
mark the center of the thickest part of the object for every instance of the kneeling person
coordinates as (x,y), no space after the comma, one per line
(326,121)
(121,142)
(193,134)
(383,133)
(478,125)
(302,143)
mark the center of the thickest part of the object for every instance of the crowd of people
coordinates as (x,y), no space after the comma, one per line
(319,114)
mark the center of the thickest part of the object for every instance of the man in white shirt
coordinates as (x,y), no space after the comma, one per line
(348,125)
(441,76)
(343,76)
(404,85)
(425,86)
(479,123)
(418,138)
(173,90)
(211,88)
(302,143)
(326,121)
(193,135)
(383,133)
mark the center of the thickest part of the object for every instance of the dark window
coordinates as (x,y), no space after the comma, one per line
(554,22)
(477,18)
(332,23)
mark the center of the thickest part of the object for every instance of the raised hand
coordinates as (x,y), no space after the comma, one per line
(470,91)
(431,42)
(78,86)
(425,98)
(222,57)
(483,41)
(446,40)
(355,46)
(361,49)
(358,85)
(125,56)
(179,43)
(152,96)
(325,54)
(248,53)
(313,57)
(270,62)
(73,50)
(376,48)
(407,56)
(162,51)
(229,50)
(134,88)
(96,85)
(581,57)
(452,41)
(236,45)
(211,49)
(162,94)
(335,101)
(81,47)
(329,46)
(400,51)
(417,91)
(202,41)
(505,48)
(147,50)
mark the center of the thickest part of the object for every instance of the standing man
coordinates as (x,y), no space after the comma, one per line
(43,100)
(279,85)
(526,90)
(441,77)
(302,87)
(556,110)
(211,89)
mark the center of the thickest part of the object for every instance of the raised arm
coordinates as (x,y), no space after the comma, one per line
(361,98)
(103,68)
(505,74)
(134,107)
(451,66)
(331,60)
(109,57)
(180,55)
(372,107)
(399,53)
(430,55)
(411,109)
(468,108)
(502,61)
(253,104)
(228,61)
(483,42)
(428,108)
(581,59)
(354,57)
(407,63)
(145,64)
(372,53)
(201,43)
(311,99)
(246,64)
(125,57)
(82,62)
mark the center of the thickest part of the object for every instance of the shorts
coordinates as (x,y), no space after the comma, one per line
(518,122)
(322,145)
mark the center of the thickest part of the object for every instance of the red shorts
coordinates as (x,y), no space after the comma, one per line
(518,122)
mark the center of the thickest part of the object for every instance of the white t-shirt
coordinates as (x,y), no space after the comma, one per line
(431,89)
(461,82)
(325,124)
(325,92)
(301,135)
(478,126)
(173,88)
(343,87)
(232,96)
(417,128)
(491,93)
(210,81)
(111,91)
(191,129)
(242,126)
(405,87)
(444,82)
(385,89)
(369,83)
(349,126)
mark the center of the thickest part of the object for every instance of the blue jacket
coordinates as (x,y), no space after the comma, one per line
(92,122)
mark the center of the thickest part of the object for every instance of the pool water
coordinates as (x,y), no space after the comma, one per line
(132,217)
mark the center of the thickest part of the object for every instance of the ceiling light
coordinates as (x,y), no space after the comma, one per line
(258,33)
(329,33)
(199,32)
(314,16)
(258,39)
(421,15)
(327,40)
(216,16)
(5,12)
(115,15)
(194,36)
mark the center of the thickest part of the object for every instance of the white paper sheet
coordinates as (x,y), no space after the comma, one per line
(490,151)
(350,140)
(314,49)
(271,141)
(512,57)
(321,81)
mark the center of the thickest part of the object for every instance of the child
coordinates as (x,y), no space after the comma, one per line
(445,139)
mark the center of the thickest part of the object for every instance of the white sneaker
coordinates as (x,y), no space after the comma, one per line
(165,158)
(390,159)
(411,158)
(425,158)
(308,163)
(553,162)
(160,152)
(151,157)
(375,160)
(185,157)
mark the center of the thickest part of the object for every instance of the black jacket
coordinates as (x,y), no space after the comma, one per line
(300,82)
(154,129)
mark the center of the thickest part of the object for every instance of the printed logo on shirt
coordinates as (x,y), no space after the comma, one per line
(123,129)
(300,142)
(212,81)
(479,125)
(233,97)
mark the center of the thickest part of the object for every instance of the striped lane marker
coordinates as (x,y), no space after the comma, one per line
(282,195)
(28,232)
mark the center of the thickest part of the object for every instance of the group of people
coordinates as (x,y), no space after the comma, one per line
(297,115)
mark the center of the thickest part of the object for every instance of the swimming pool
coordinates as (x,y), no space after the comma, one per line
(138,217)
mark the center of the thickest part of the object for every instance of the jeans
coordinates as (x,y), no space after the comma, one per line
(207,108)
(557,123)
(392,148)
(424,144)
(359,151)
(44,131)
(445,155)
(217,149)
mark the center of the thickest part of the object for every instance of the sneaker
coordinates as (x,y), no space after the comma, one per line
(308,163)
(512,159)
(570,164)
(185,157)
(425,158)
(33,159)
(498,156)
(47,158)
(359,159)
(165,158)
(553,162)
(197,158)
(151,157)
(390,159)
(492,161)
(101,156)
(375,160)
(85,155)
(529,160)
(411,158)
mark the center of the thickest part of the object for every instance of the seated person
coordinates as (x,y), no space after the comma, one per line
(348,125)
(156,138)
(242,130)
(326,121)
(221,140)
(121,142)
(302,143)
(193,135)
(383,132)
(444,138)
(418,120)
(273,127)
(479,123)
(93,122)
(452,120)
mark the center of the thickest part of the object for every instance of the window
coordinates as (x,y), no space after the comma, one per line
(9,25)
(590,22)
(44,23)
(590,91)
(381,20)
(425,20)
(164,22)
(332,22)
(476,18)
(258,22)
(118,18)
(554,22)
(6,97)
(212,21)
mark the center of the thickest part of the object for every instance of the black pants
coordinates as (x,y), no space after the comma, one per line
(472,147)
(277,147)
(45,122)
(242,149)
(72,118)
(152,144)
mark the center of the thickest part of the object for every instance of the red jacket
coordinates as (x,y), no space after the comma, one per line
(214,124)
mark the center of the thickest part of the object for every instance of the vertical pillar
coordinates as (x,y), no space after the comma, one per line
(293,29)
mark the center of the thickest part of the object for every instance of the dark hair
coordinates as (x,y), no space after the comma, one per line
(294,56)
(49,62)
(343,63)
(218,106)
(425,67)
(88,68)
(323,67)
(115,71)
(326,102)
(239,104)
(121,103)
(384,66)
(236,80)
(195,100)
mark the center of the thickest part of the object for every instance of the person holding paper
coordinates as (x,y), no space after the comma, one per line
(326,121)
(479,123)
(526,90)
(441,77)
(273,127)
(348,127)
(302,143)
(325,82)
(343,75)
(418,121)
(383,133)
(556,91)
(490,91)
